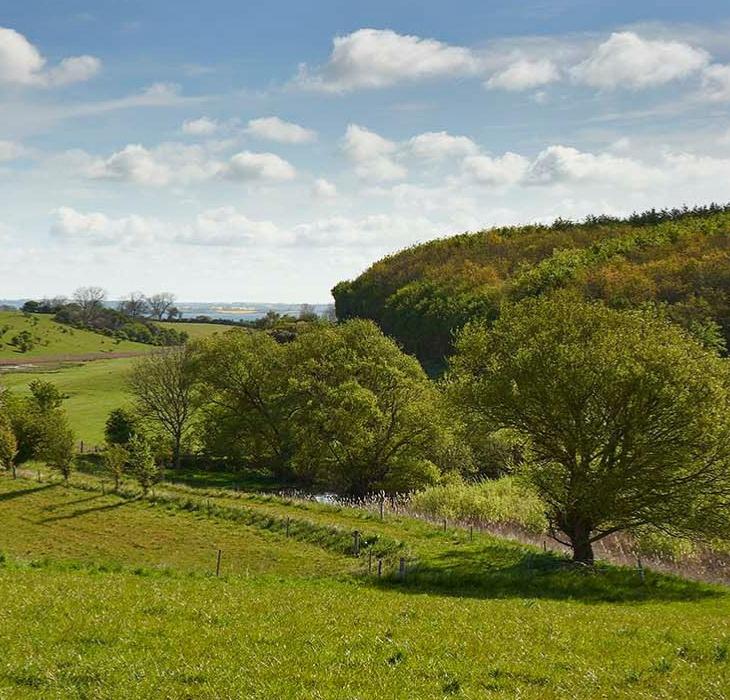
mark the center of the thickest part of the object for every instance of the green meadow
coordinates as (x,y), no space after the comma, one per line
(110,596)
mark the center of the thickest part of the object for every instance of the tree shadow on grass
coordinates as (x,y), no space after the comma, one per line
(501,572)
(10,495)
(84,511)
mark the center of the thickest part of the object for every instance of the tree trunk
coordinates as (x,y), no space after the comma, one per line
(580,535)
(15,470)
(176,451)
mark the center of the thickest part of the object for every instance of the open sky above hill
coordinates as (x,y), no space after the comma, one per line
(266,150)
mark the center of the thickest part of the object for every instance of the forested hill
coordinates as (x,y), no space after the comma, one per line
(679,259)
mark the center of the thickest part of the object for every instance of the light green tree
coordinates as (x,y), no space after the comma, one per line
(142,463)
(626,418)
(115,460)
(367,416)
(8,447)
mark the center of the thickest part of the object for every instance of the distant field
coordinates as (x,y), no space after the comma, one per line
(55,339)
(290,619)
(93,388)
(196,330)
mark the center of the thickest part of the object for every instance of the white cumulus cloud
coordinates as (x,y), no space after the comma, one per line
(503,170)
(99,229)
(204,126)
(22,63)
(225,226)
(276,129)
(324,189)
(377,58)
(372,154)
(626,60)
(525,74)
(437,145)
(557,164)
(259,166)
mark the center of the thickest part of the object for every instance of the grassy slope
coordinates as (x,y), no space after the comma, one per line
(93,388)
(472,621)
(56,340)
(196,330)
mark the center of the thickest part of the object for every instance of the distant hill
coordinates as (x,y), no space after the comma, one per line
(26,337)
(679,258)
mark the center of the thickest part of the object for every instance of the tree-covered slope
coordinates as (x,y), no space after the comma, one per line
(678,258)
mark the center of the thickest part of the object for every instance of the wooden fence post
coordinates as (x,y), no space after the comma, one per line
(370,561)
(356,543)
(382,507)
(402,569)
(218,564)
(640,567)
(444,524)
(81,447)
(380,568)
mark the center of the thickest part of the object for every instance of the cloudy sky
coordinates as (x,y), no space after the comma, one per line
(265,150)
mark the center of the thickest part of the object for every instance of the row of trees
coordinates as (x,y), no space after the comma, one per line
(132,320)
(618,419)
(91,302)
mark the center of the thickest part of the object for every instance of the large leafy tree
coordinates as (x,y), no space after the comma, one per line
(248,413)
(368,418)
(165,388)
(626,417)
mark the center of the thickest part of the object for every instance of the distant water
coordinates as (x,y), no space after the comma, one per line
(234,311)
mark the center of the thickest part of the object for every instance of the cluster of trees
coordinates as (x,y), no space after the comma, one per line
(675,259)
(337,407)
(618,419)
(133,319)
(35,427)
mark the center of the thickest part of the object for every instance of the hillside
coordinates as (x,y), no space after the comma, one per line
(49,340)
(421,295)
(117,597)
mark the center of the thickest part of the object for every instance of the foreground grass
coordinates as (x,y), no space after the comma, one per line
(93,390)
(86,634)
(473,619)
(55,339)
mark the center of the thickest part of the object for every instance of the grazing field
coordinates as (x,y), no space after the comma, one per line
(55,340)
(196,331)
(473,619)
(93,389)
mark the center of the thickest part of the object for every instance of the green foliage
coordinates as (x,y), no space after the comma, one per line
(423,295)
(115,461)
(8,445)
(142,464)
(24,341)
(120,426)
(339,407)
(57,443)
(627,417)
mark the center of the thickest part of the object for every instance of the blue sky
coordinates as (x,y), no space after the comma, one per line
(266,150)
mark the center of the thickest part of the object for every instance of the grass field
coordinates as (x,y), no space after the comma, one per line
(93,390)
(473,619)
(55,339)
(196,331)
